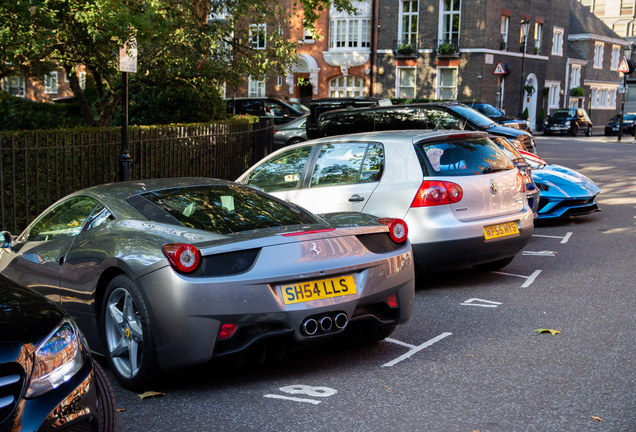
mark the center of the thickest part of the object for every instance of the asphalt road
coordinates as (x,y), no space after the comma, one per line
(470,358)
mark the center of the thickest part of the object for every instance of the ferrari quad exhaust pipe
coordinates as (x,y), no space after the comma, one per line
(324,324)
(341,320)
(310,326)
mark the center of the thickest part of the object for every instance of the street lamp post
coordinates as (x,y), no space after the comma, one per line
(628,56)
(525,24)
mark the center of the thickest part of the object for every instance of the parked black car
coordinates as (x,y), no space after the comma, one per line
(319,106)
(568,121)
(629,119)
(498,116)
(48,380)
(439,115)
(265,108)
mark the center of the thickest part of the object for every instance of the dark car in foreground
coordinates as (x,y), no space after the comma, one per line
(568,121)
(438,115)
(48,379)
(498,116)
(168,273)
(612,126)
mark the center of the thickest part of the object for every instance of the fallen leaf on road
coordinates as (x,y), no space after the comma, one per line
(554,332)
(151,394)
(594,418)
(388,388)
(120,410)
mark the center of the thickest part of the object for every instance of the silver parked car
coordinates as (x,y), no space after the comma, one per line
(460,195)
(164,274)
(290,133)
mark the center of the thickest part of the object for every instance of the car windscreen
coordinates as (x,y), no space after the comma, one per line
(461,157)
(488,110)
(507,147)
(473,115)
(222,209)
(563,113)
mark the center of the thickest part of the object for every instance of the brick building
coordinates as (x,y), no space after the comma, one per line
(450,49)
(54,87)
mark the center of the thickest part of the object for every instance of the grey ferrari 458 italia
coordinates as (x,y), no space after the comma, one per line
(163,274)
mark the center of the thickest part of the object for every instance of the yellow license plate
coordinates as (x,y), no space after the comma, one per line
(318,289)
(501,230)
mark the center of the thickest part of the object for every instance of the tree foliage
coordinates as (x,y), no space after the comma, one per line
(194,44)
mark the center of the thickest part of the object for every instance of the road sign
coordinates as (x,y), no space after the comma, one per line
(500,69)
(623,67)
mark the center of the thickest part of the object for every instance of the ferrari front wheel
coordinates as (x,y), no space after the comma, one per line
(127,331)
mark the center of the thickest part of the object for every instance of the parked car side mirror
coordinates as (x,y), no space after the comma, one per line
(6,240)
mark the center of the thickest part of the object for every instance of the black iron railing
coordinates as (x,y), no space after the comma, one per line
(39,167)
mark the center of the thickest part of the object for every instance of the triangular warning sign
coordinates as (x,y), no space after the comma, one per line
(623,67)
(499,70)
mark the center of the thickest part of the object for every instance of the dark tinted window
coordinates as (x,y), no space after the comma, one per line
(225,209)
(461,157)
(381,119)
(487,110)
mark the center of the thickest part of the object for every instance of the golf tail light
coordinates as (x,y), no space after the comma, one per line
(392,301)
(521,183)
(433,193)
(183,257)
(398,230)
(227,331)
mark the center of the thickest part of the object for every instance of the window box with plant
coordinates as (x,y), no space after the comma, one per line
(406,49)
(447,49)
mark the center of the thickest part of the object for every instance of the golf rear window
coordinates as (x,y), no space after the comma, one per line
(461,157)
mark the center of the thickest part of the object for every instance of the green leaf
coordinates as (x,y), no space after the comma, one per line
(542,330)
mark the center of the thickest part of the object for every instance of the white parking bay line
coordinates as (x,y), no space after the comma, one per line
(295,399)
(414,349)
(563,239)
(529,279)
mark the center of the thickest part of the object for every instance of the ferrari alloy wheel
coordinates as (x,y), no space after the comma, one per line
(127,333)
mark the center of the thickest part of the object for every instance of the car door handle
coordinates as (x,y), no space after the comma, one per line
(356,198)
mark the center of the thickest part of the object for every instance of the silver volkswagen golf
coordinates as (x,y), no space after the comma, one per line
(460,195)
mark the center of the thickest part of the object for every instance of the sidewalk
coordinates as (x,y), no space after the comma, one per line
(625,139)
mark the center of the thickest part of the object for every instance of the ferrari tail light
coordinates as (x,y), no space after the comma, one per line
(398,230)
(227,331)
(434,193)
(392,301)
(183,257)
(521,183)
